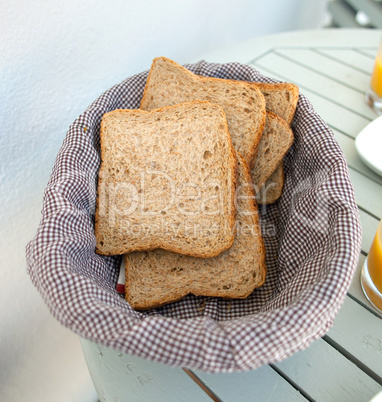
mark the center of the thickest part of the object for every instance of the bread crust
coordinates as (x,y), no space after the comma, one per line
(277,89)
(290,88)
(275,182)
(266,163)
(272,188)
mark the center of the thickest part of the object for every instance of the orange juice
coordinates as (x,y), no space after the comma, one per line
(373,96)
(371,276)
(374,259)
(376,77)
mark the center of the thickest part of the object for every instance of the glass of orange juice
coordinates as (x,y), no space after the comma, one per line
(371,276)
(374,93)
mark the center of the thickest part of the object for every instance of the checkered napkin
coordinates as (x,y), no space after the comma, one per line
(312,237)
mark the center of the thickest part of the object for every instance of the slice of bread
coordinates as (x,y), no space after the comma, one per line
(273,187)
(167,180)
(158,277)
(169,83)
(281,99)
(275,142)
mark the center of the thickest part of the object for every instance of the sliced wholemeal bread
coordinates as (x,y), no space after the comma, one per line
(169,83)
(275,142)
(281,99)
(167,180)
(272,188)
(158,277)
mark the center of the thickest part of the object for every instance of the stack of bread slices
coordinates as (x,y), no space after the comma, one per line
(180,180)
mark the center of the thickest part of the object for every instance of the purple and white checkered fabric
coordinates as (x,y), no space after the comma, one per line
(312,237)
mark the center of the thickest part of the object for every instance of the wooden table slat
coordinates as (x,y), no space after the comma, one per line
(333,114)
(358,333)
(333,69)
(263,384)
(318,83)
(362,59)
(368,193)
(131,378)
(370,53)
(326,375)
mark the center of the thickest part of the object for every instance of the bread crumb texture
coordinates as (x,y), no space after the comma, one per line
(167,180)
(169,83)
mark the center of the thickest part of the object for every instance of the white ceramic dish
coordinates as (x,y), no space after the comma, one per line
(369,145)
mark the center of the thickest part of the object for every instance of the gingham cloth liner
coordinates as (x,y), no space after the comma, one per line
(317,239)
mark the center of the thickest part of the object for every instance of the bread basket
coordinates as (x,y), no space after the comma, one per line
(312,237)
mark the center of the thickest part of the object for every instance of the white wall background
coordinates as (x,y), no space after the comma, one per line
(55,58)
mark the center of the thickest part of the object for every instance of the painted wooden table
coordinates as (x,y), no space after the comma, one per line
(332,68)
